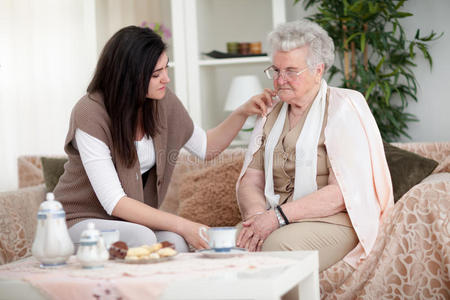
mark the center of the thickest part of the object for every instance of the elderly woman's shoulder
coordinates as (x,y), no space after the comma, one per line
(346,93)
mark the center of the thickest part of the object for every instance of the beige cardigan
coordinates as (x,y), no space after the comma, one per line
(74,190)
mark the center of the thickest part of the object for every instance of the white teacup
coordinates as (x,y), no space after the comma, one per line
(110,236)
(220,239)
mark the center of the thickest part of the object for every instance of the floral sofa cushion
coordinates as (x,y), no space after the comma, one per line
(410,259)
(18,215)
(30,171)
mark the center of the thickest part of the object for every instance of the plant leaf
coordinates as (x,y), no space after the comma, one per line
(351,37)
(369,90)
(380,63)
(400,15)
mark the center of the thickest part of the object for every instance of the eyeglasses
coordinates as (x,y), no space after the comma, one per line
(273,73)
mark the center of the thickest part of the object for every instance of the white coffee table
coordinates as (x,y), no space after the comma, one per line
(268,284)
(265,281)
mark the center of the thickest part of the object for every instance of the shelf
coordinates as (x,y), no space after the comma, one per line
(231,61)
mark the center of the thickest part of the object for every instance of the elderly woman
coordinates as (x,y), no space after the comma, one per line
(315,175)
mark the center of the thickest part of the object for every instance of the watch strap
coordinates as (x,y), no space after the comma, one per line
(286,221)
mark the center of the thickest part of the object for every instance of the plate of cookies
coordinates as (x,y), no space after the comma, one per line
(145,254)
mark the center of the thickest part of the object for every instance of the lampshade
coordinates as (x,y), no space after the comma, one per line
(242,88)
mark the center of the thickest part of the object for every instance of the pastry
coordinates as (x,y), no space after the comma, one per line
(153,248)
(118,250)
(165,252)
(138,251)
(131,257)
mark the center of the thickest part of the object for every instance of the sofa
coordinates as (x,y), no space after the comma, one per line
(411,257)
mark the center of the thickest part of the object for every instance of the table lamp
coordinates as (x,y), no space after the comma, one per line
(242,88)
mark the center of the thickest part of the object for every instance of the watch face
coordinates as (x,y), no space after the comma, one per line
(279,217)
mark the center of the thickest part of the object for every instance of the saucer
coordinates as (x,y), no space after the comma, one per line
(234,252)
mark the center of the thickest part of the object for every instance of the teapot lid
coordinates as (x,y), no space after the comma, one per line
(90,235)
(50,204)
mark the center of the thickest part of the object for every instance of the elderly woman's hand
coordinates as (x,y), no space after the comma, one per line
(259,104)
(256,230)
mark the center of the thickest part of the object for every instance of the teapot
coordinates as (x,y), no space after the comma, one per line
(92,251)
(52,245)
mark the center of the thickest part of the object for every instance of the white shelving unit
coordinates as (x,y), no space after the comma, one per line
(231,61)
(200,26)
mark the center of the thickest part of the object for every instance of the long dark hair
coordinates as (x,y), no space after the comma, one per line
(122,76)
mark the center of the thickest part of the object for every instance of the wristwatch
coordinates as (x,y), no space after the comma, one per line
(280,219)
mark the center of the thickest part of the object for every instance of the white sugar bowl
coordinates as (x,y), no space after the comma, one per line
(52,245)
(92,252)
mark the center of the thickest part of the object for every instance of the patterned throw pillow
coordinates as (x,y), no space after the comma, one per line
(407,169)
(53,168)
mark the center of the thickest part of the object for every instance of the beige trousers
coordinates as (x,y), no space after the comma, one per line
(331,240)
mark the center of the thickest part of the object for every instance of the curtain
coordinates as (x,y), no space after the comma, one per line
(48,51)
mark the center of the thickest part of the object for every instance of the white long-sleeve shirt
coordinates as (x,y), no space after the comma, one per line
(97,161)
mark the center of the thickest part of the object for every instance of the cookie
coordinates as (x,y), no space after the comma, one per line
(118,250)
(166,244)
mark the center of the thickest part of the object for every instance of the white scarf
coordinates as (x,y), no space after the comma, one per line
(305,149)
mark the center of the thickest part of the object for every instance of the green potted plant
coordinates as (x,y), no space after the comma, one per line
(375,56)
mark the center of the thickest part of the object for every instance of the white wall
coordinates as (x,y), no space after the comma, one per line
(433,106)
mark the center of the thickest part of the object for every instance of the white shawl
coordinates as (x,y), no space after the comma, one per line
(305,152)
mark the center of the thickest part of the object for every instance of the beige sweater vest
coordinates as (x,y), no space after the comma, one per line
(74,190)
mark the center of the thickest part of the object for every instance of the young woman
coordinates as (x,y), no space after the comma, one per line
(123,141)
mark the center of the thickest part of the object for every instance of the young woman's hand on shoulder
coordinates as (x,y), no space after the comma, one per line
(258,104)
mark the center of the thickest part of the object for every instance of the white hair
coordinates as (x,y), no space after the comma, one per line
(296,34)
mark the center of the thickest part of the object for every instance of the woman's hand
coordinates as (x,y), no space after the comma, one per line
(258,105)
(220,137)
(256,230)
(190,233)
